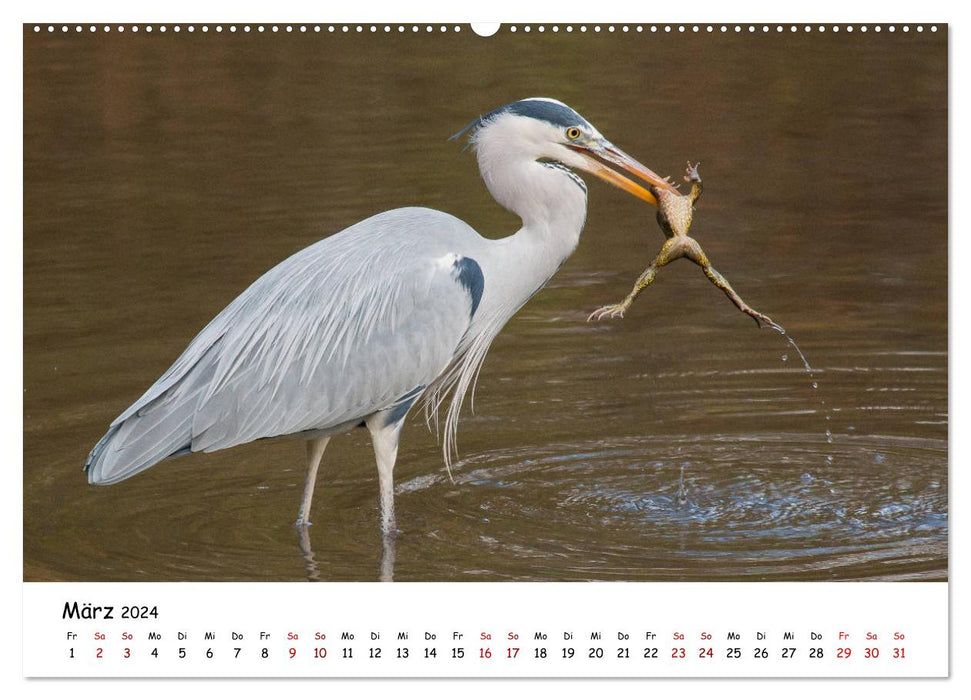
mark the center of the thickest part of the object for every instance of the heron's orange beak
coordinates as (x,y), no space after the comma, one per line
(614,155)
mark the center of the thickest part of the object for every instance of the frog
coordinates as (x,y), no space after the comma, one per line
(675,213)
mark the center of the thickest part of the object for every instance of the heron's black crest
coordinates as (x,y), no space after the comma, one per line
(556,113)
(550,111)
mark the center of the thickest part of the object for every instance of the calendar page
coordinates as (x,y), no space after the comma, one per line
(520,350)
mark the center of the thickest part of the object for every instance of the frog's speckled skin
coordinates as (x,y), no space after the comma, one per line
(674,214)
(675,211)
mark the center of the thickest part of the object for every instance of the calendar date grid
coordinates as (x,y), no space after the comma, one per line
(513,630)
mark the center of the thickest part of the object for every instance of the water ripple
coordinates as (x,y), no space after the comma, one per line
(620,506)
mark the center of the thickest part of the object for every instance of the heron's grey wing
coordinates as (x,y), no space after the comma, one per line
(338,331)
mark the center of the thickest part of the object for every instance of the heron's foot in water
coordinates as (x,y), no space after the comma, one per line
(609,311)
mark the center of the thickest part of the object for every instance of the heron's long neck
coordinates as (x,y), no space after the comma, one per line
(553,208)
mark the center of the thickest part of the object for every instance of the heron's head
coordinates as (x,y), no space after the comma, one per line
(543,129)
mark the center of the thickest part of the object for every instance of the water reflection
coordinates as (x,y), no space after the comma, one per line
(388,546)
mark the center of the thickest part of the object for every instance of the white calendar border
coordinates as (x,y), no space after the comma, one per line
(512,629)
(507,10)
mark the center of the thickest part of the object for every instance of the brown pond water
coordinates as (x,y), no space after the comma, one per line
(164,173)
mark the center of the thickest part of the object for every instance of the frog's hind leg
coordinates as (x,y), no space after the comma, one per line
(694,252)
(670,251)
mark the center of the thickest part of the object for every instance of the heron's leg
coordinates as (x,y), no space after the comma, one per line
(387,559)
(315,450)
(385,437)
(671,250)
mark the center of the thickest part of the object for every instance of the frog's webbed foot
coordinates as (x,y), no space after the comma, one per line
(672,249)
(719,281)
(609,311)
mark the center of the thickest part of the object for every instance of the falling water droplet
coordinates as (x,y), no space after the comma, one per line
(785,357)
(815,385)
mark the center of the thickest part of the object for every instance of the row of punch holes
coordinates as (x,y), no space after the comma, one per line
(414,28)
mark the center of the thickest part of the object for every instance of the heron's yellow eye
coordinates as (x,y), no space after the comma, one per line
(573,133)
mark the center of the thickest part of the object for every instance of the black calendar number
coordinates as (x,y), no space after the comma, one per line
(623,653)
(265,653)
(761,653)
(816,653)
(733,653)
(375,652)
(596,652)
(650,652)
(431,653)
(568,652)
(788,652)
(209,653)
(402,652)
(139,612)
(539,653)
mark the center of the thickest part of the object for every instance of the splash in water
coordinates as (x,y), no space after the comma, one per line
(682,492)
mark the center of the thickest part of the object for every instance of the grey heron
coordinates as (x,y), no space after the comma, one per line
(356,328)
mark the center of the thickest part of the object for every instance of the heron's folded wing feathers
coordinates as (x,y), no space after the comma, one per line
(334,333)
